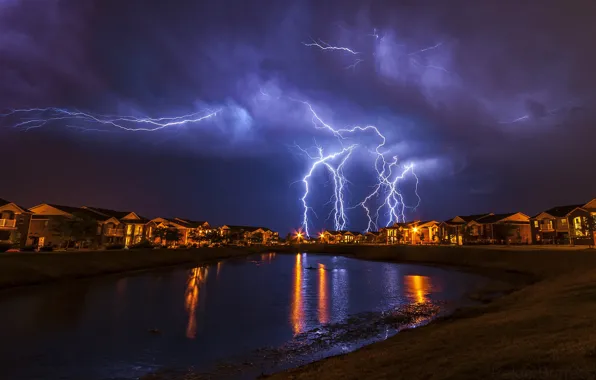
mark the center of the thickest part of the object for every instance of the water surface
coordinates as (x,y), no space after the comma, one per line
(125,326)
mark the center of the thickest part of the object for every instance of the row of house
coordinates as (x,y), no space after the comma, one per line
(572,224)
(51,225)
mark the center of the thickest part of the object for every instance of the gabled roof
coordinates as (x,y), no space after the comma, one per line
(461,219)
(562,211)
(427,222)
(74,211)
(591,205)
(192,223)
(494,218)
(117,214)
(4,202)
(246,228)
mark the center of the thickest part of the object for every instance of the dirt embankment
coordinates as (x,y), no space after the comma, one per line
(20,269)
(545,329)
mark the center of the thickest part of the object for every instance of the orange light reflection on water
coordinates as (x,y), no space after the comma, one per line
(323,295)
(196,278)
(297,317)
(418,287)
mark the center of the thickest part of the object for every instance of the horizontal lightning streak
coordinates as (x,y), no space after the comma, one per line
(51,114)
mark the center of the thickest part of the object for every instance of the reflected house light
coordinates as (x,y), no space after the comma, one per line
(196,278)
(297,317)
(418,288)
(323,296)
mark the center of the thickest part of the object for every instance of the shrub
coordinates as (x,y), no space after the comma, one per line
(28,248)
(182,246)
(115,246)
(5,247)
(142,244)
(47,248)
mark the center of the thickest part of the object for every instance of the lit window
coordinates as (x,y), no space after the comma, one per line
(563,221)
(577,226)
(536,223)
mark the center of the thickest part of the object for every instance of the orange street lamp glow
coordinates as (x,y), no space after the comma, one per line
(415,229)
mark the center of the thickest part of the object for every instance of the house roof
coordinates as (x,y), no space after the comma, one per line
(561,211)
(591,205)
(470,218)
(4,202)
(117,214)
(246,228)
(80,211)
(494,218)
(108,212)
(191,223)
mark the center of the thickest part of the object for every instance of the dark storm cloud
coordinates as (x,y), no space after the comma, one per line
(508,85)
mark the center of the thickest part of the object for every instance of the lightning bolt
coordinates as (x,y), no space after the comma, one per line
(31,118)
(353,65)
(412,56)
(325,46)
(388,173)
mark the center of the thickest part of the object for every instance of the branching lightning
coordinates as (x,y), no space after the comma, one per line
(31,118)
(325,46)
(387,187)
(413,56)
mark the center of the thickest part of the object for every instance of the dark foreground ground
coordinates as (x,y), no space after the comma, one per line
(544,327)
(20,268)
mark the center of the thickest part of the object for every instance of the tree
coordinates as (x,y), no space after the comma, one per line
(173,235)
(81,228)
(214,236)
(160,233)
(195,236)
(505,231)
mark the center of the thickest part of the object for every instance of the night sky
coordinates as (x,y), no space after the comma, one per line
(499,117)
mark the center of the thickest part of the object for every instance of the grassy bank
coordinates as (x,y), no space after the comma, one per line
(20,269)
(544,330)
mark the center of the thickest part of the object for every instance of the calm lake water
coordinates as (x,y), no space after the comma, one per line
(127,326)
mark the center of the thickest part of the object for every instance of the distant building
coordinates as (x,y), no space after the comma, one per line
(341,237)
(53,225)
(120,227)
(452,230)
(14,223)
(509,228)
(563,225)
(249,234)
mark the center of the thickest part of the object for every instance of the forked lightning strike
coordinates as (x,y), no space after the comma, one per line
(325,46)
(387,185)
(31,118)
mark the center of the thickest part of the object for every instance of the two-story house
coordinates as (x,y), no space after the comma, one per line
(509,228)
(562,225)
(249,234)
(64,226)
(120,227)
(400,233)
(340,237)
(14,223)
(452,231)
(428,232)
